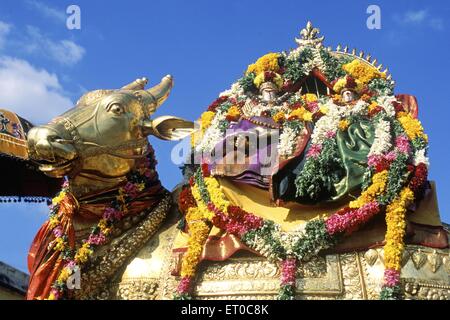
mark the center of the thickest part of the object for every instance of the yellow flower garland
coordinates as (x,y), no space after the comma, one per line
(323,109)
(412,127)
(64,275)
(342,83)
(343,124)
(396,228)
(58,198)
(198,234)
(279,116)
(233,112)
(377,188)
(206,119)
(102,224)
(301,114)
(362,72)
(196,218)
(216,194)
(83,253)
(395,220)
(60,244)
(372,106)
(202,207)
(268,62)
(53,221)
(310,97)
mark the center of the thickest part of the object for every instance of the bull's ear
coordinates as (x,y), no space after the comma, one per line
(168,128)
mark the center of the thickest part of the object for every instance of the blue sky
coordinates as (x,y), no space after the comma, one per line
(205,45)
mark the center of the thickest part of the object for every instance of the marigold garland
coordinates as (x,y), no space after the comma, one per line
(206,119)
(300,114)
(198,233)
(362,71)
(347,83)
(412,127)
(343,124)
(268,62)
(394,247)
(233,113)
(376,189)
(396,226)
(310,97)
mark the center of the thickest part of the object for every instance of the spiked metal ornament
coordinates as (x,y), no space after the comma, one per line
(309,36)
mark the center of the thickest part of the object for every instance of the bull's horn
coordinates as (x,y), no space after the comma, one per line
(138,84)
(155,96)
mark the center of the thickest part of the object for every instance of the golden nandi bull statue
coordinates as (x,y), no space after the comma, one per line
(101,147)
(346,212)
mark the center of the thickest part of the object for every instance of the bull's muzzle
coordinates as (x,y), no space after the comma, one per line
(51,151)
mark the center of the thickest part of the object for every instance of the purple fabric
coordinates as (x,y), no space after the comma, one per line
(253,172)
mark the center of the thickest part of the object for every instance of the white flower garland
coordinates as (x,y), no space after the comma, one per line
(329,123)
(235,90)
(326,125)
(212,135)
(287,143)
(420,157)
(382,142)
(386,102)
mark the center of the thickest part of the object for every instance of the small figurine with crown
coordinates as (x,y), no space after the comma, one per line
(348,88)
(269,84)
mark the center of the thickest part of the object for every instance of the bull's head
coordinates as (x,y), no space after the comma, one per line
(105,133)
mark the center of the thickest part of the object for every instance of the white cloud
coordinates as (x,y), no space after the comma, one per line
(33,41)
(34,94)
(65,52)
(437,23)
(53,13)
(420,18)
(5,28)
(415,16)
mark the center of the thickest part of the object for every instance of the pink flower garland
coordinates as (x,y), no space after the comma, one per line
(112,214)
(238,222)
(391,277)
(184,286)
(402,144)
(350,220)
(96,239)
(314,151)
(131,190)
(288,272)
(330,134)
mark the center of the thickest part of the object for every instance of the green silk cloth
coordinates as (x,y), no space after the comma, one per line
(354,146)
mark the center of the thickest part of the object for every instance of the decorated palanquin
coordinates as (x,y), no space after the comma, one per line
(22,179)
(309,182)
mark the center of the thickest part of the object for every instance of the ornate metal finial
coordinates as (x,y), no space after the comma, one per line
(309,36)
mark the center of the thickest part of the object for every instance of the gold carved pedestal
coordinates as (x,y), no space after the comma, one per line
(354,275)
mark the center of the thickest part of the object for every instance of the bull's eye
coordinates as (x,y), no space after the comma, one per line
(117,109)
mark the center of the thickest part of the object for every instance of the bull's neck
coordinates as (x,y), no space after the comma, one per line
(82,186)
